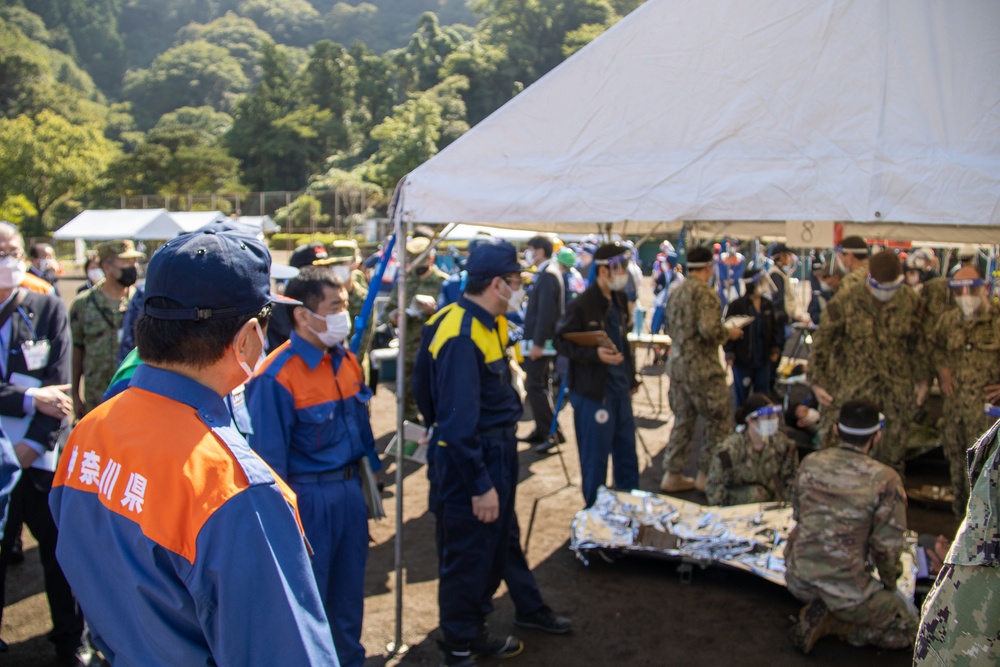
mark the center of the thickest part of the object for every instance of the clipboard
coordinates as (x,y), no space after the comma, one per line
(598,338)
(738,321)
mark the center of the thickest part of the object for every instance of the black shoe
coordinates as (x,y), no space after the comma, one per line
(456,655)
(16,556)
(545,620)
(549,443)
(534,437)
(497,647)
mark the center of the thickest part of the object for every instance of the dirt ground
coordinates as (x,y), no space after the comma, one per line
(634,611)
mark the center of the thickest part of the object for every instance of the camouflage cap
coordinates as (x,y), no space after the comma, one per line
(122,249)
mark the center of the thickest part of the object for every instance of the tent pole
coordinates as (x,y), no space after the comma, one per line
(397,647)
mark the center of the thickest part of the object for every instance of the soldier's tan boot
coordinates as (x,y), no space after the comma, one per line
(700,481)
(674,482)
(814,622)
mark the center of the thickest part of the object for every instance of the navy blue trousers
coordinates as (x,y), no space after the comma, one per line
(472,555)
(749,380)
(614,438)
(335,519)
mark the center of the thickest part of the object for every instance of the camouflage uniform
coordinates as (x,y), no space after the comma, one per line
(851,513)
(971,349)
(936,298)
(961,616)
(856,277)
(875,351)
(738,474)
(427,285)
(697,378)
(95,324)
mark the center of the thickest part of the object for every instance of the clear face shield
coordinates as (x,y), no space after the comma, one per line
(884,292)
(760,284)
(617,269)
(969,295)
(766,420)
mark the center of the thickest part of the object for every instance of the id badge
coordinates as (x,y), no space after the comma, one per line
(36,353)
(241,415)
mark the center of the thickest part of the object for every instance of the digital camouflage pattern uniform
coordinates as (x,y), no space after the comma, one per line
(738,474)
(864,349)
(856,277)
(95,323)
(960,623)
(936,298)
(427,285)
(971,349)
(697,378)
(850,513)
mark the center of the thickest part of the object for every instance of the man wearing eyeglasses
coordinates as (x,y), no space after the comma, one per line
(850,513)
(96,317)
(462,384)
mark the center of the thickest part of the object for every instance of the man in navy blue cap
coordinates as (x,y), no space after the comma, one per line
(183,547)
(462,383)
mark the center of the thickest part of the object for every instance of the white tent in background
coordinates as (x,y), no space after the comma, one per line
(741,114)
(189,221)
(136,224)
(262,223)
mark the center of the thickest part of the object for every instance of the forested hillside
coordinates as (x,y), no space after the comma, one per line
(101,99)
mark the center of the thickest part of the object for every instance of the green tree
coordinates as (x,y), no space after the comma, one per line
(239,36)
(181,155)
(252,139)
(406,139)
(193,74)
(491,79)
(374,94)
(328,84)
(303,213)
(420,62)
(48,159)
(34,77)
(93,36)
(294,22)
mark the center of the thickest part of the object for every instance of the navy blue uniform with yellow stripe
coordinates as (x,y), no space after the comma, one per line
(462,384)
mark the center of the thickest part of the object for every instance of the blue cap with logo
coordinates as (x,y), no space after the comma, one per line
(489,260)
(210,274)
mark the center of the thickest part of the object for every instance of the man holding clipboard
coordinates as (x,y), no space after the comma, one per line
(34,409)
(593,335)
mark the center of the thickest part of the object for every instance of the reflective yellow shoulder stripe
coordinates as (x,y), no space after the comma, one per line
(452,318)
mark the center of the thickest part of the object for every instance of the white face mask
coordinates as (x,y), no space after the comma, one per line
(766,427)
(529,256)
(968,304)
(43,264)
(338,326)
(95,275)
(514,299)
(618,282)
(263,354)
(342,272)
(12,272)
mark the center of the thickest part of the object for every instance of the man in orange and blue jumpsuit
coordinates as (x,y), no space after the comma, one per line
(308,410)
(182,546)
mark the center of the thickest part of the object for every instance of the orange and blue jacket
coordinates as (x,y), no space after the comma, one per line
(181,545)
(309,410)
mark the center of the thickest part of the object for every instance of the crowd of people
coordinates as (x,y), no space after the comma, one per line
(238,410)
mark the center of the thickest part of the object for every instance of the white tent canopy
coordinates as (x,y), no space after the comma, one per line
(190,221)
(734,112)
(262,223)
(136,224)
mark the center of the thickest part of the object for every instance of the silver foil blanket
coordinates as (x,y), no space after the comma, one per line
(746,537)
